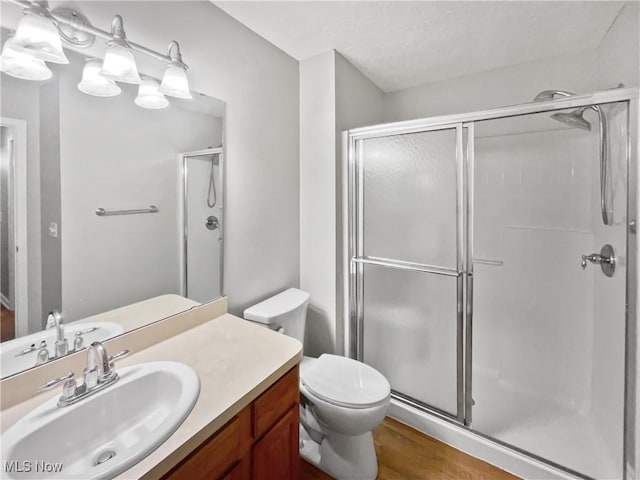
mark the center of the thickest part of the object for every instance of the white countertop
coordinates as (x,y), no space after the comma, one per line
(142,313)
(235,360)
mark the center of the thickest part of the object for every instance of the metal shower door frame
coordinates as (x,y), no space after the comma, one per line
(353,243)
(183,215)
(357,258)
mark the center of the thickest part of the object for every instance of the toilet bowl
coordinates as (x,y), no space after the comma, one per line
(342,400)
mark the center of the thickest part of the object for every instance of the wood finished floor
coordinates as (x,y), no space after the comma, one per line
(406,454)
(7,324)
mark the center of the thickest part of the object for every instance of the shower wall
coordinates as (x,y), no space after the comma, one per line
(609,299)
(532,215)
(548,336)
(203,258)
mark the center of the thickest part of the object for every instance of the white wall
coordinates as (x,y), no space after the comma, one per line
(334,96)
(21,100)
(618,54)
(50,212)
(116,155)
(6,220)
(318,199)
(613,62)
(358,103)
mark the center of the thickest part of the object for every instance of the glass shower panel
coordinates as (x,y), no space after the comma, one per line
(410,333)
(548,335)
(409,190)
(203,219)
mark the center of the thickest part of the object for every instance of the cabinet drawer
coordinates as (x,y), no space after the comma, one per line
(218,454)
(275,402)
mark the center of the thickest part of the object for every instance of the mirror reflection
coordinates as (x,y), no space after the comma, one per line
(112,210)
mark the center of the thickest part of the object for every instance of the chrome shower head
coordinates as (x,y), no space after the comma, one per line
(546,95)
(574,119)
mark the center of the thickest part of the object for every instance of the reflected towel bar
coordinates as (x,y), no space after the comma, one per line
(101,212)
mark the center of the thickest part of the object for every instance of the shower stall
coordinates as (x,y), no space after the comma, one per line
(491,274)
(201,224)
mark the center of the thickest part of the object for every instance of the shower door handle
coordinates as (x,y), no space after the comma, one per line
(606,259)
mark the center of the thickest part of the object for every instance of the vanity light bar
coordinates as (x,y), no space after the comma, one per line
(86,27)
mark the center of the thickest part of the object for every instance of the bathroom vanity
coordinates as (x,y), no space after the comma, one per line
(261,442)
(244,423)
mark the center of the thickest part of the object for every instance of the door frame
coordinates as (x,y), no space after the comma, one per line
(18,216)
(357,259)
(183,230)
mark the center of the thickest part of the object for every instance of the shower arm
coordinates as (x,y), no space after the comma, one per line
(604,164)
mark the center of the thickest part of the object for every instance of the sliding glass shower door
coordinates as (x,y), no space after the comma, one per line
(409,258)
(481,255)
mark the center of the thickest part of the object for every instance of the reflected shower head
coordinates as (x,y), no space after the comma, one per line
(546,95)
(574,119)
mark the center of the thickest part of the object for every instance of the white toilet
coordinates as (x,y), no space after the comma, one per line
(343,400)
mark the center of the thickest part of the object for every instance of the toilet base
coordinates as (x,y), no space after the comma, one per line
(341,456)
(345,457)
(309,449)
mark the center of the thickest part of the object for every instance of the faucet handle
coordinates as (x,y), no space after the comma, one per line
(90,377)
(119,355)
(56,381)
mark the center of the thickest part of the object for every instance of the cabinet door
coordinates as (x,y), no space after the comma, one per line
(242,471)
(276,454)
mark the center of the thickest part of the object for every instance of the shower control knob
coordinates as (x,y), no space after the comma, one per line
(606,258)
(211,222)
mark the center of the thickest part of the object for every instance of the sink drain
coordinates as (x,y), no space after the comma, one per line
(104,457)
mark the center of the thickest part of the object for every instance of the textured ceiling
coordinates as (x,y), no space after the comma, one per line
(404,44)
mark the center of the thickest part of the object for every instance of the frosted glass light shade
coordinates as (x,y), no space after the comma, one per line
(93,83)
(175,82)
(149,96)
(120,65)
(15,62)
(39,36)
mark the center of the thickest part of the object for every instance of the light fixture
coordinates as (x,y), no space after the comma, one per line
(119,63)
(38,35)
(93,83)
(149,96)
(38,39)
(15,62)
(175,82)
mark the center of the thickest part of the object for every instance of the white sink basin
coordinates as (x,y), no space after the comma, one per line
(11,362)
(106,433)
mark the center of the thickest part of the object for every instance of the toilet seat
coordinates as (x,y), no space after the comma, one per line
(345,382)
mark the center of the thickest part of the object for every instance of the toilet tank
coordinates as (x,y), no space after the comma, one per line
(286,311)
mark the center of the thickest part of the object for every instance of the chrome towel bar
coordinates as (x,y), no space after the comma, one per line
(101,212)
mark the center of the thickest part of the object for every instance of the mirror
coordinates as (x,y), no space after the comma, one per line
(111,213)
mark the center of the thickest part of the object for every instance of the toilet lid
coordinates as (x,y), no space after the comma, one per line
(345,381)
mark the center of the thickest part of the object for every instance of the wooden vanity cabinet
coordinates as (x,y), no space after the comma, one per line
(260,443)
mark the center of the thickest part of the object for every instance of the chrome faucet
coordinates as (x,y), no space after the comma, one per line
(97,375)
(606,259)
(98,360)
(54,320)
